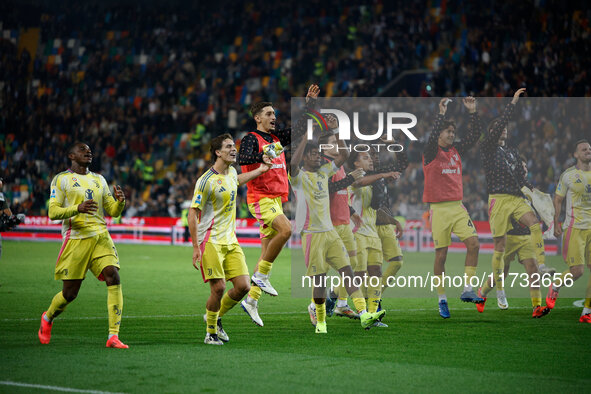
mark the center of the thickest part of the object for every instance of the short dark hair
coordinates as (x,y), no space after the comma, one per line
(256,108)
(493,123)
(579,142)
(310,147)
(446,123)
(216,144)
(353,156)
(74,145)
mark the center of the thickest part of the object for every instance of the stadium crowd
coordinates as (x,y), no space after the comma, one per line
(147,87)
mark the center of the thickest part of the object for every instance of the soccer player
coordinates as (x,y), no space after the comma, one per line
(389,229)
(518,244)
(575,186)
(78,197)
(442,166)
(369,248)
(340,216)
(504,179)
(266,193)
(321,244)
(212,223)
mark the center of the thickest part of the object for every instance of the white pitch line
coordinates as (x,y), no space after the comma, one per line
(264,313)
(54,388)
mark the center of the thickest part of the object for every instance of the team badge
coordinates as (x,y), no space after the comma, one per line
(89,194)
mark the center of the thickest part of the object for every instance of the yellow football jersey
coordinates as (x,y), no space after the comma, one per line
(361,203)
(68,190)
(215,197)
(313,202)
(576,186)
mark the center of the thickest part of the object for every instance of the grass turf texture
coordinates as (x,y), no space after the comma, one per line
(164,299)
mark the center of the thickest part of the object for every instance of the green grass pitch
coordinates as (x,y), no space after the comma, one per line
(164,299)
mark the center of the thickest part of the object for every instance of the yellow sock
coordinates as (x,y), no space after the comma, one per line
(212,321)
(115,306)
(536,297)
(486,288)
(358,300)
(374,295)
(265,267)
(58,304)
(469,272)
(537,240)
(227,304)
(255,292)
(441,287)
(321,312)
(373,304)
(588,294)
(390,271)
(498,265)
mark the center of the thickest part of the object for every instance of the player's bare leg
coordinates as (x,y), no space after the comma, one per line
(282,225)
(260,278)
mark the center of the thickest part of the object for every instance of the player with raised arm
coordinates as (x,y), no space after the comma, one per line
(78,198)
(443,190)
(575,186)
(323,248)
(519,244)
(389,229)
(212,223)
(504,179)
(340,216)
(369,247)
(266,193)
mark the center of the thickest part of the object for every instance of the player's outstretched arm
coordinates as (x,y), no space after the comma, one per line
(491,137)
(297,157)
(193,221)
(432,146)
(369,179)
(246,177)
(474,127)
(335,186)
(299,127)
